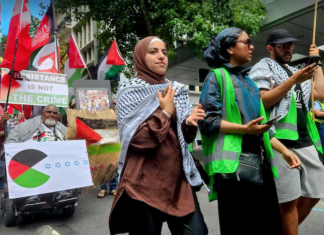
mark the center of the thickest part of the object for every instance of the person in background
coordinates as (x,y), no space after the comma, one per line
(193,146)
(5,117)
(16,120)
(285,92)
(319,120)
(113,182)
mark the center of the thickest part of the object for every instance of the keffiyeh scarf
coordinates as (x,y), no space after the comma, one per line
(280,76)
(136,101)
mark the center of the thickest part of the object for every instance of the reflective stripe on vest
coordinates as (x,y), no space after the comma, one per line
(287,129)
(221,151)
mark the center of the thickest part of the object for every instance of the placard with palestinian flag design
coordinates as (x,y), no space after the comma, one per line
(101,133)
(36,168)
(35,88)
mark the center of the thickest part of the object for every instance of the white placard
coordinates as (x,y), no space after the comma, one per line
(35,168)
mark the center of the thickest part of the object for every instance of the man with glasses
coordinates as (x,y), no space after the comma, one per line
(43,128)
(286,91)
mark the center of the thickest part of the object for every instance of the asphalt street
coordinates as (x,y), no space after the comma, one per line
(91,218)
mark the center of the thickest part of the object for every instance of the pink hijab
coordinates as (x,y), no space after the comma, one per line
(140,67)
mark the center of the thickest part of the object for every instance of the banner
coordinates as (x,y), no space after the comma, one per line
(35,168)
(35,88)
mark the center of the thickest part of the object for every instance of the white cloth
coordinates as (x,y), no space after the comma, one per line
(136,101)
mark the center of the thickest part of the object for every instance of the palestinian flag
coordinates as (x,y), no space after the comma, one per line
(101,133)
(110,64)
(74,64)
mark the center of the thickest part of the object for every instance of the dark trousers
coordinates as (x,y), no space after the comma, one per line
(147,220)
(248,209)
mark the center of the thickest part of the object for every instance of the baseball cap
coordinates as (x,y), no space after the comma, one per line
(280,36)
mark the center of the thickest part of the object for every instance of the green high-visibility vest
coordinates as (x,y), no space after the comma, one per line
(287,129)
(318,119)
(190,147)
(222,151)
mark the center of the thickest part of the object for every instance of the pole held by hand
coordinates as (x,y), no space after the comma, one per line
(313,42)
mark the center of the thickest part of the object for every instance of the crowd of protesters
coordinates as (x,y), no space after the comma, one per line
(263,153)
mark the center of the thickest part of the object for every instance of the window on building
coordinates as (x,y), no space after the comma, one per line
(200,88)
(192,88)
(85,57)
(90,54)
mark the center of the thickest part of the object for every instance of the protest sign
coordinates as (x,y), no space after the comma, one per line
(35,168)
(35,88)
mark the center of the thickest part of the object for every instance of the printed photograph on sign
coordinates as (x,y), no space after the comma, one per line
(93,100)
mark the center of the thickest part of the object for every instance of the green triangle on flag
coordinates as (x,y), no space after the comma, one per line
(111,63)
(74,64)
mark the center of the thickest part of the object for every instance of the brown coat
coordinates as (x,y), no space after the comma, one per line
(153,171)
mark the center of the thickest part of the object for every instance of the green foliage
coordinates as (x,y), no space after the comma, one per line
(35,22)
(193,21)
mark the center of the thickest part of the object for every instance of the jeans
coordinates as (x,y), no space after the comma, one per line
(147,220)
(320,128)
(112,184)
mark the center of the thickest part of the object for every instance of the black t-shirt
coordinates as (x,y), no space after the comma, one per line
(304,140)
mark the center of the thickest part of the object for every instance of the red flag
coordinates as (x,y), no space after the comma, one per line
(45,29)
(20,30)
(75,59)
(14,29)
(114,57)
(27,110)
(5,79)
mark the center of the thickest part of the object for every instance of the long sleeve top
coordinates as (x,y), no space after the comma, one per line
(153,171)
(247,98)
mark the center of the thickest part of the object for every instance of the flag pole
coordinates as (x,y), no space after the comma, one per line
(11,76)
(123,58)
(313,42)
(55,38)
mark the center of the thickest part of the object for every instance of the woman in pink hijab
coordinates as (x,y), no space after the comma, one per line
(157,172)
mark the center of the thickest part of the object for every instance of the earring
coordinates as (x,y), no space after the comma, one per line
(231,52)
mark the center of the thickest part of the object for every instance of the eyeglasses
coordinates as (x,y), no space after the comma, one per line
(247,42)
(286,46)
(50,112)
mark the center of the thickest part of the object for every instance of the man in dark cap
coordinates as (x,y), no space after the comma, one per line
(286,91)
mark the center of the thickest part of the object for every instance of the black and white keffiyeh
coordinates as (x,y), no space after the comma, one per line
(136,101)
(268,69)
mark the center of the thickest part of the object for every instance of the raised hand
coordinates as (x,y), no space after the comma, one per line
(196,114)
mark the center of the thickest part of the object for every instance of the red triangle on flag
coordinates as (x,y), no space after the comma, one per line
(5,85)
(83,132)
(114,57)
(75,60)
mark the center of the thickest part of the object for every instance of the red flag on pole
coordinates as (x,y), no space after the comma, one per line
(14,29)
(18,28)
